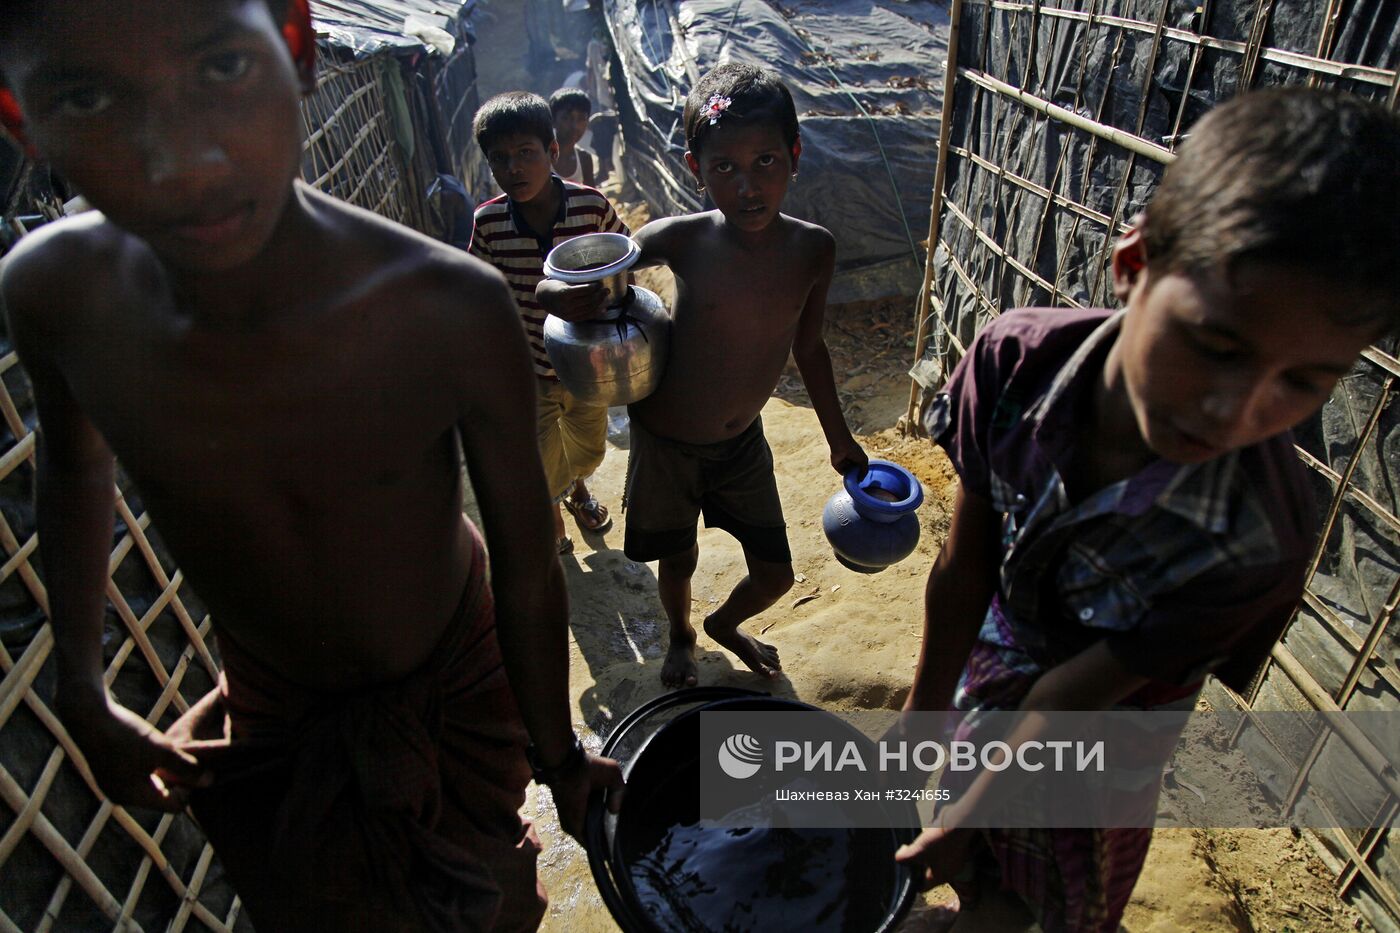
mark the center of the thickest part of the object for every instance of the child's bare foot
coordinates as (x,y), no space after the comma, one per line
(761,657)
(679,670)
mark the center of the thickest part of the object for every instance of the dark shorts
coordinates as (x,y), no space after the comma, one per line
(671,483)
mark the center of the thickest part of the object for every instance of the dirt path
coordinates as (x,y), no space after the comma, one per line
(854,646)
(844,649)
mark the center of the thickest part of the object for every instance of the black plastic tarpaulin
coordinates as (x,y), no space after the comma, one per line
(428,86)
(366,27)
(866,76)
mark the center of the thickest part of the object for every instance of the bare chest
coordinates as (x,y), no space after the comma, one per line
(297,416)
(749,305)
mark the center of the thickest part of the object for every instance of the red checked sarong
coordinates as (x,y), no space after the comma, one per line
(1074,880)
(393,808)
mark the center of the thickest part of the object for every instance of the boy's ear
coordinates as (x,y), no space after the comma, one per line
(1129,263)
(553,150)
(300,37)
(12,119)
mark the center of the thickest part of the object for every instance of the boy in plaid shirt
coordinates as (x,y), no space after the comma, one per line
(1132,515)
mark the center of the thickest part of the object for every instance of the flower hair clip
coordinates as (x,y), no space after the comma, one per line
(716,108)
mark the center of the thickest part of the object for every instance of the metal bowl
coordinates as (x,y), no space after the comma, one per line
(595,257)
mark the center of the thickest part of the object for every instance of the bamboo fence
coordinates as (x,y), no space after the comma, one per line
(69,859)
(350,150)
(1058,120)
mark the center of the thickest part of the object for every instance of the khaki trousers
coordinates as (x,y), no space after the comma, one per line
(572,436)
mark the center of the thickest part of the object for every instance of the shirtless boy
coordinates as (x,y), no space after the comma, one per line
(571,109)
(751,287)
(287,379)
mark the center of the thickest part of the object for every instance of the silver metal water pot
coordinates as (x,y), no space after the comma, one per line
(618,358)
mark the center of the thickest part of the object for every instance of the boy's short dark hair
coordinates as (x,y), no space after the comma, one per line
(510,113)
(570,98)
(756,97)
(1296,177)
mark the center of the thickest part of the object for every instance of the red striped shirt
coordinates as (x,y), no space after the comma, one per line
(502,239)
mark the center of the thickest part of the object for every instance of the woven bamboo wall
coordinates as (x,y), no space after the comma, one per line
(69,860)
(350,150)
(1059,119)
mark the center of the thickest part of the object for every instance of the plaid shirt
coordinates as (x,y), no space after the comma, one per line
(1186,570)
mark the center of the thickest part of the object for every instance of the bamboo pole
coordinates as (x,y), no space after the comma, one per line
(1375,356)
(997,250)
(1343,633)
(1079,97)
(1093,127)
(1047,193)
(1344,481)
(1367,652)
(143,873)
(231,919)
(65,884)
(1250,68)
(1359,496)
(15,686)
(17,429)
(1369,840)
(940,174)
(21,556)
(1102,261)
(27,574)
(1362,660)
(1327,36)
(1363,74)
(58,847)
(1375,762)
(24,818)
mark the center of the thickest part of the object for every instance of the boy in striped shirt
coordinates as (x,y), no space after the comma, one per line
(514,233)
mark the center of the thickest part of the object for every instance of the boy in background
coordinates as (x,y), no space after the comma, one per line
(751,287)
(1132,514)
(571,109)
(515,232)
(292,383)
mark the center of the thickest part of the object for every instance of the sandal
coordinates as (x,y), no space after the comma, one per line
(590,514)
(566,545)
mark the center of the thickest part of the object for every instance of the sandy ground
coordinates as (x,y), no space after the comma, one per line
(853,647)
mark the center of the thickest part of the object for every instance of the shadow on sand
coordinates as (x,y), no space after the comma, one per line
(620,631)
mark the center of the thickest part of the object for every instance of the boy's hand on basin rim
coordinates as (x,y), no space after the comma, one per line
(572,790)
(937,856)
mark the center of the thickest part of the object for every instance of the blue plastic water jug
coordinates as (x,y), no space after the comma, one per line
(871,522)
